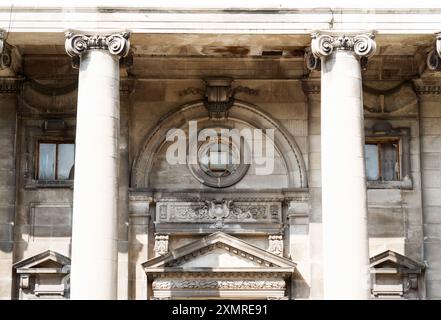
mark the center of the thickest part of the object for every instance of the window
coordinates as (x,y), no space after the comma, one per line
(55,160)
(218,159)
(221,162)
(382,160)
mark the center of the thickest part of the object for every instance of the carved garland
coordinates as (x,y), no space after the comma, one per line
(217,212)
(219,284)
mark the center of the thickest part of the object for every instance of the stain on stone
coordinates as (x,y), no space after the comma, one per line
(226,51)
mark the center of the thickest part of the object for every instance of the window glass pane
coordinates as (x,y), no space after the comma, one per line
(389,163)
(218,160)
(46,161)
(371,155)
(65,163)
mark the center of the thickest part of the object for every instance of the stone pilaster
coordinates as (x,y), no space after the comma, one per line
(9,87)
(95,204)
(344,203)
(139,221)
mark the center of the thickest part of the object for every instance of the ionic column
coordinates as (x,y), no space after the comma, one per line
(94,225)
(344,204)
(434,56)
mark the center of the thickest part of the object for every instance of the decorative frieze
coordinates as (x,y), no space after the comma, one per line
(219,212)
(229,215)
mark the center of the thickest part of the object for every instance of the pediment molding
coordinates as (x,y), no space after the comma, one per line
(45,262)
(392,262)
(264,260)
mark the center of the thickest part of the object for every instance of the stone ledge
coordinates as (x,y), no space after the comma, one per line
(37,184)
(404,184)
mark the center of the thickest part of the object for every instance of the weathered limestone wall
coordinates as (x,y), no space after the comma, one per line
(8,109)
(430,124)
(395,215)
(43,216)
(43,213)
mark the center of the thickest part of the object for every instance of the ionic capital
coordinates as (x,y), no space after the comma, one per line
(2,39)
(323,44)
(5,52)
(434,57)
(117,43)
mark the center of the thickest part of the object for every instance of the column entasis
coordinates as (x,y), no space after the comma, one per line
(94,224)
(344,203)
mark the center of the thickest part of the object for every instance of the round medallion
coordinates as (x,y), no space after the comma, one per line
(220,163)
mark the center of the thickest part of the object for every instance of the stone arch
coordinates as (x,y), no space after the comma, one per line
(241,111)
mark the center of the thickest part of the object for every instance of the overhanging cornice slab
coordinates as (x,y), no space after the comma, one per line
(219,21)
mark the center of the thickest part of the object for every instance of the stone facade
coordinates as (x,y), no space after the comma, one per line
(139,227)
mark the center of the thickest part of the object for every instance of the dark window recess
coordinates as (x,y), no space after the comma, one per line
(55,160)
(382,160)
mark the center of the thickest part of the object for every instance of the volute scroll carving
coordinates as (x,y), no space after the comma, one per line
(117,44)
(323,45)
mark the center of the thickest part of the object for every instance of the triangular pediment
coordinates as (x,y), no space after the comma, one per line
(45,260)
(392,260)
(219,251)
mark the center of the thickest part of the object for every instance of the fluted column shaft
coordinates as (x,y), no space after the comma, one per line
(344,204)
(94,225)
